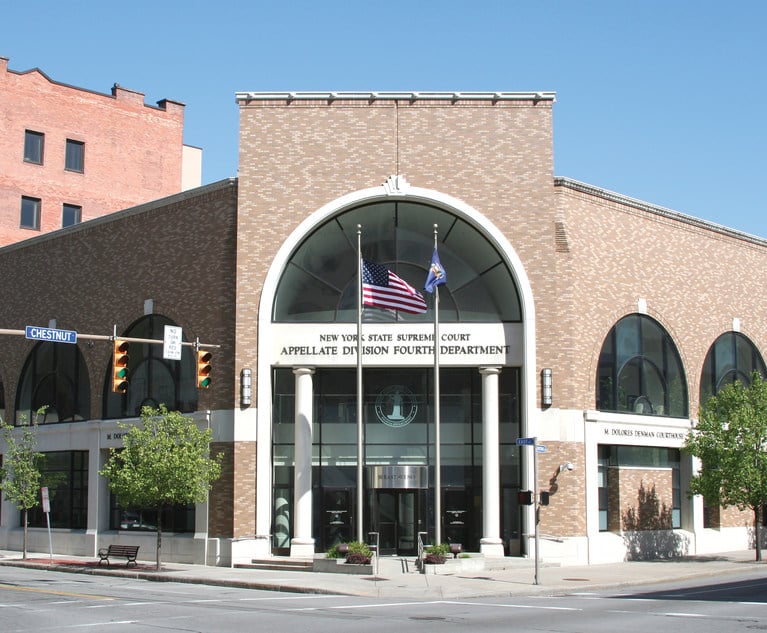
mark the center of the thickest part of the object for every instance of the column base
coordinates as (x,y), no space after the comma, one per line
(491,547)
(302,548)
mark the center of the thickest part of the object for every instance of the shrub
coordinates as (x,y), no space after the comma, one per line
(356,553)
(434,559)
(355,547)
(353,558)
(442,548)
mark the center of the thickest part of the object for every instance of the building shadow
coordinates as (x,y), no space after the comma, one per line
(648,532)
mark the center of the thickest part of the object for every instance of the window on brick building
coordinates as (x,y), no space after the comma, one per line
(65,473)
(71,214)
(640,370)
(30,213)
(732,357)
(54,376)
(152,379)
(33,147)
(75,156)
(318,284)
(639,487)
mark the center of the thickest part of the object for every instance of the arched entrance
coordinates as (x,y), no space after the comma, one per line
(307,327)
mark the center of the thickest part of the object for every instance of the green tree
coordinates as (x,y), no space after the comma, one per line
(163,463)
(20,472)
(730,440)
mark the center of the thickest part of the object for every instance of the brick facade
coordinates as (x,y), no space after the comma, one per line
(133,153)
(590,257)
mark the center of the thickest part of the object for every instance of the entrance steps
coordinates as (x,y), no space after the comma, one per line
(278,563)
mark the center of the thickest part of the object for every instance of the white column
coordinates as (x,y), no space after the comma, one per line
(302,543)
(491,543)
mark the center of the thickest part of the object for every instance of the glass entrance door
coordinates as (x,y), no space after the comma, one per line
(395,518)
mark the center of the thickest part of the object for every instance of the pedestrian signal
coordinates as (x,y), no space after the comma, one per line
(525,497)
(203,368)
(120,366)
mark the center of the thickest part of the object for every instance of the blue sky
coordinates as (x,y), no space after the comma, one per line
(659,100)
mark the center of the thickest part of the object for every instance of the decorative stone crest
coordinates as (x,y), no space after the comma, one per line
(396,185)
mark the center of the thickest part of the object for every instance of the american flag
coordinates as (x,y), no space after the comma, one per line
(381,288)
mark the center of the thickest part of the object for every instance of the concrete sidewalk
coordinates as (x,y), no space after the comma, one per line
(397,577)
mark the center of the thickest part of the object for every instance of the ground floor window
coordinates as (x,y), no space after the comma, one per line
(65,473)
(174,519)
(398,413)
(639,488)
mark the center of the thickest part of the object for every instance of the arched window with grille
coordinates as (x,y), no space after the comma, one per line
(55,377)
(640,370)
(732,357)
(152,379)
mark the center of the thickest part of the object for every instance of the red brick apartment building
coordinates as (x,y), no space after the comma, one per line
(588,321)
(70,154)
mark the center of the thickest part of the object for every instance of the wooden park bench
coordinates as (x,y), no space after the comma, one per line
(119,551)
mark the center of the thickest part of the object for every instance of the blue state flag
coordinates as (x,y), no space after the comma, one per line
(437,275)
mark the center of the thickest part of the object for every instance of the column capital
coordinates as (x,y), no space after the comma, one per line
(302,371)
(491,370)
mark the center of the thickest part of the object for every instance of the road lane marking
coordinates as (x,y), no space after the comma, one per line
(53,592)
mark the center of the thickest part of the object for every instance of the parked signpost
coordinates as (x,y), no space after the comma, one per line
(47,510)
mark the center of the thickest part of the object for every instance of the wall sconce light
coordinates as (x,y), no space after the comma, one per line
(546,395)
(566,466)
(245,387)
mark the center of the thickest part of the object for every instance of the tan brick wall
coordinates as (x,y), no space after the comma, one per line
(133,152)
(694,280)
(244,514)
(297,157)
(91,277)
(180,253)
(566,513)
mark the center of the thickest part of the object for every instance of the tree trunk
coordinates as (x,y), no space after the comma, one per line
(159,538)
(24,545)
(758,513)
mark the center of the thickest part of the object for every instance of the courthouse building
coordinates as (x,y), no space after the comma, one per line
(586,322)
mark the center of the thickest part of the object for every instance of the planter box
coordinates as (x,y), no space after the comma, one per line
(339,566)
(455,566)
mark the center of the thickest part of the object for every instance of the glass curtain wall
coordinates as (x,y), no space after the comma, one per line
(399,431)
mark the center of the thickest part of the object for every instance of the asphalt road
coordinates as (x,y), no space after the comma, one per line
(38,600)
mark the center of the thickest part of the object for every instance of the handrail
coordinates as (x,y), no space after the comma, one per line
(419,560)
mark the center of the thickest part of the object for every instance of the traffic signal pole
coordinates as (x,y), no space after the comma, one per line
(536,508)
(112,337)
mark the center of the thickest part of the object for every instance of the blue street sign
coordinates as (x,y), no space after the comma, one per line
(525,441)
(540,448)
(50,334)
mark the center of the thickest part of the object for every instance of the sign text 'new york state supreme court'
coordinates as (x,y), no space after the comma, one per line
(397,344)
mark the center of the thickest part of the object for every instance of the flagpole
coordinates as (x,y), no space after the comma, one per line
(360,443)
(437,439)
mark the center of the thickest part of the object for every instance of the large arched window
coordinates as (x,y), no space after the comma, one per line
(319,283)
(152,379)
(732,357)
(640,370)
(54,377)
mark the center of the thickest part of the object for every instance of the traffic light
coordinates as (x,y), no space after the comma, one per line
(120,366)
(203,368)
(525,497)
